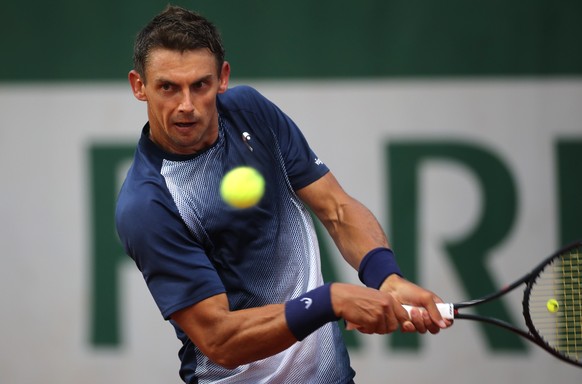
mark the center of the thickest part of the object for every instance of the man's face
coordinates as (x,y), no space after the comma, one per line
(180,92)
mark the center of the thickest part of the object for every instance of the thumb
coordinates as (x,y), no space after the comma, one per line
(351,326)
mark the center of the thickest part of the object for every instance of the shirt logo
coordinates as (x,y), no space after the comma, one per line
(247,138)
(307,302)
(318,162)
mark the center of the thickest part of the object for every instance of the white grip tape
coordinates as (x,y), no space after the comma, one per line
(447,310)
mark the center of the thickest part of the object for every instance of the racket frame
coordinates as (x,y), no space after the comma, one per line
(532,334)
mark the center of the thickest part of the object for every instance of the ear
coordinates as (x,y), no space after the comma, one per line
(137,85)
(224,77)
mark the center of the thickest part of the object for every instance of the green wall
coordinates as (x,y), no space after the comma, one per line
(72,40)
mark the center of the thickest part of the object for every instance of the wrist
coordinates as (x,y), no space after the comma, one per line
(376,266)
(308,312)
(391,282)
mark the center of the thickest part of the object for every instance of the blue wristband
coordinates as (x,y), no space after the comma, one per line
(309,311)
(376,266)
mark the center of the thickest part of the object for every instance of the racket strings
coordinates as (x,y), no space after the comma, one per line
(555,304)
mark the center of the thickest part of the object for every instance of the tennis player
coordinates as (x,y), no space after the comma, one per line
(243,288)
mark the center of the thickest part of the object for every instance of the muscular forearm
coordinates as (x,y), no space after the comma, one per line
(251,335)
(355,231)
(232,338)
(352,226)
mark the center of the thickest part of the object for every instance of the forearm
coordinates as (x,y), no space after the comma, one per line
(354,230)
(252,334)
(232,338)
(351,225)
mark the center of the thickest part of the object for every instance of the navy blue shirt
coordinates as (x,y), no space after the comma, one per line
(190,245)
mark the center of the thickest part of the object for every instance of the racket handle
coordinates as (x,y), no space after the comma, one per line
(447,310)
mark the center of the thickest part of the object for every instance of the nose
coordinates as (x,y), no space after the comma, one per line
(186,104)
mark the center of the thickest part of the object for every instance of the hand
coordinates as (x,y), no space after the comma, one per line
(405,292)
(367,310)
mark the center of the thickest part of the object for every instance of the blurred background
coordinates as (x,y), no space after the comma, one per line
(459,124)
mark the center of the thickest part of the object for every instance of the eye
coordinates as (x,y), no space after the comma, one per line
(166,86)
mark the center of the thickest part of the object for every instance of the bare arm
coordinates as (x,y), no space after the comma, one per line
(356,231)
(232,338)
(351,225)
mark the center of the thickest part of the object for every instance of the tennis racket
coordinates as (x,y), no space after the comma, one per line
(552,305)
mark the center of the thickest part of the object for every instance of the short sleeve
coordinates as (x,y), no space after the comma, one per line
(301,163)
(176,269)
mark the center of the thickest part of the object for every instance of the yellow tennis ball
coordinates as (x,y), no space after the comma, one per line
(242,187)
(552,305)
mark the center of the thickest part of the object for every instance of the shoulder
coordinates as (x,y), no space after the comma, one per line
(241,92)
(143,197)
(144,211)
(243,97)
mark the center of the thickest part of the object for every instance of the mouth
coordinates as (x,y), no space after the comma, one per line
(185,124)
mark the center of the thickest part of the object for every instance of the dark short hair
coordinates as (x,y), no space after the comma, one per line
(177,29)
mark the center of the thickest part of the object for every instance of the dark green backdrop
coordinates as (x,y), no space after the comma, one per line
(92,40)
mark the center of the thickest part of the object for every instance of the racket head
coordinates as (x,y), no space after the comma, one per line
(552,304)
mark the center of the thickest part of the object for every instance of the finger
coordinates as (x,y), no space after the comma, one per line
(434,314)
(430,326)
(419,319)
(351,326)
(359,328)
(408,327)
(401,313)
(404,319)
(393,317)
(379,326)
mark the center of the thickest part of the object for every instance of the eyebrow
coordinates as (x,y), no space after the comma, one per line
(162,80)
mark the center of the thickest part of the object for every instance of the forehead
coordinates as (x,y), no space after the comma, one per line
(171,64)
